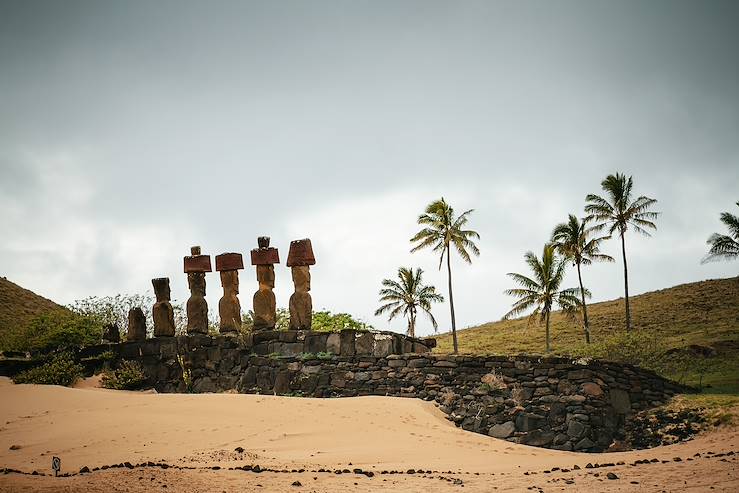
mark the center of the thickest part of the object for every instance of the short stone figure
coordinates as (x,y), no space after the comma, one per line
(111,333)
(136,325)
(229,308)
(162,312)
(265,305)
(196,265)
(299,259)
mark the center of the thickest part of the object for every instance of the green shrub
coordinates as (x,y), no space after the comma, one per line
(638,347)
(128,376)
(325,321)
(59,370)
(58,329)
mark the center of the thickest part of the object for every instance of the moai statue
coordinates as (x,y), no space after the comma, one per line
(229,308)
(162,312)
(299,259)
(111,333)
(265,306)
(136,325)
(196,265)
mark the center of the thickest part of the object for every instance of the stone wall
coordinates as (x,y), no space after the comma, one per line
(545,402)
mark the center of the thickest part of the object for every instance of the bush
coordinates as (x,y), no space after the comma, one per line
(62,369)
(325,321)
(637,347)
(128,376)
(58,329)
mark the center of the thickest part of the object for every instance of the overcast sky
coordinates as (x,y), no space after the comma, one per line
(130,131)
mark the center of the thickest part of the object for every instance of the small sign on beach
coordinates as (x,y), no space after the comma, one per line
(56,465)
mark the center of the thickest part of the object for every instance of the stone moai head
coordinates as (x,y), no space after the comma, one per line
(229,264)
(136,325)
(299,259)
(230,281)
(266,276)
(161,288)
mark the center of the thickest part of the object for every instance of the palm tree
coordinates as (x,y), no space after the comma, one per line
(724,247)
(543,291)
(617,213)
(407,296)
(442,230)
(574,242)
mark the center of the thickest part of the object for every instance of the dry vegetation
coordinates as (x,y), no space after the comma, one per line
(702,313)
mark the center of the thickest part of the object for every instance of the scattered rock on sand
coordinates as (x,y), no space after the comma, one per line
(611,475)
(15,447)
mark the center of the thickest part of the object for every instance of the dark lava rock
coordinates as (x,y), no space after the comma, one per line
(661,427)
(297,483)
(84,469)
(611,475)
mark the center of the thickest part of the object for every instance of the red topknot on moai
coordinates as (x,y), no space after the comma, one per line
(196,265)
(229,308)
(299,260)
(265,306)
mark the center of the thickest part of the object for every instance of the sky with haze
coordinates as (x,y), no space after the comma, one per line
(130,131)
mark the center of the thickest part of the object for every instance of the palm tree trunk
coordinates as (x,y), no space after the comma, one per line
(412,328)
(451,300)
(626,282)
(548,346)
(584,308)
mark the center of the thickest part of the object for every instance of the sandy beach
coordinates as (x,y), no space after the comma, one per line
(203,442)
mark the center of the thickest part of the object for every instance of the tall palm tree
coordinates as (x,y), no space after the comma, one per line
(574,241)
(407,296)
(617,213)
(724,247)
(441,231)
(543,291)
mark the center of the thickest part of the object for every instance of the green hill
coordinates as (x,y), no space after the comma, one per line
(18,306)
(701,313)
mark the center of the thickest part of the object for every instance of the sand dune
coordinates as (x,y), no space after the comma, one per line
(95,427)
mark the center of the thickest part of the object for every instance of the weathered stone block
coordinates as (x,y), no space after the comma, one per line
(620,401)
(204,384)
(503,430)
(591,389)
(418,363)
(383,346)
(282,382)
(347,342)
(364,343)
(288,335)
(260,336)
(292,349)
(529,421)
(315,343)
(333,343)
(538,438)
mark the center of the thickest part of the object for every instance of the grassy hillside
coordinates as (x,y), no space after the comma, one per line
(704,313)
(18,306)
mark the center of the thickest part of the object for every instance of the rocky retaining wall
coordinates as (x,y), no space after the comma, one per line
(546,402)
